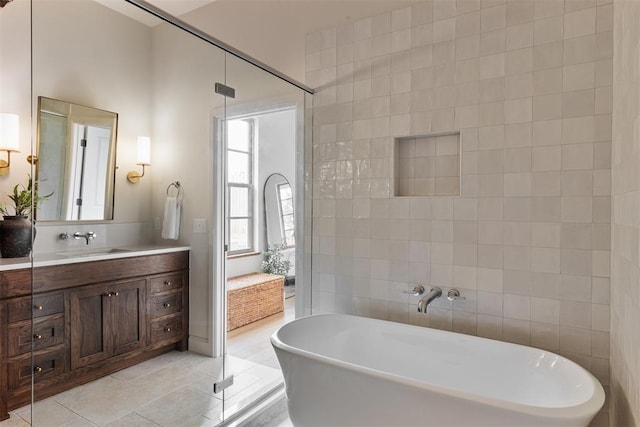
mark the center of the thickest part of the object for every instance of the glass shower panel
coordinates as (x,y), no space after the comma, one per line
(108,344)
(275,109)
(186,111)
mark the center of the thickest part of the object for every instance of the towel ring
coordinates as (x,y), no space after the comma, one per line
(178,187)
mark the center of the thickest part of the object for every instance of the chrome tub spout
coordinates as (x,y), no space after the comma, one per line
(424,302)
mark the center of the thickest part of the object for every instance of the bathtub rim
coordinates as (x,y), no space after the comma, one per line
(589,408)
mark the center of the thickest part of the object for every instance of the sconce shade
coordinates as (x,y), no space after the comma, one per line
(9,137)
(144,150)
(143,158)
(9,140)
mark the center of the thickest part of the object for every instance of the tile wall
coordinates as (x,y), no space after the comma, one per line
(625,192)
(528,84)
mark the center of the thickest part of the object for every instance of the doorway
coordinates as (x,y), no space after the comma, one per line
(256,182)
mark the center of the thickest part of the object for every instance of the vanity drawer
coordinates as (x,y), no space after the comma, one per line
(14,283)
(167,282)
(46,332)
(46,364)
(42,305)
(166,304)
(166,329)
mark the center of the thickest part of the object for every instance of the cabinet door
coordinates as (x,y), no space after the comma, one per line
(128,316)
(90,340)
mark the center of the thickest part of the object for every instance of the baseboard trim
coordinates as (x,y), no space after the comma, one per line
(200,346)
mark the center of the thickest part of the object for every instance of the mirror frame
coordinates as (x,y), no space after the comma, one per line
(111,162)
(266,213)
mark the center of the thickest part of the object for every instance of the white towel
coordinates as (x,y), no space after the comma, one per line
(171,221)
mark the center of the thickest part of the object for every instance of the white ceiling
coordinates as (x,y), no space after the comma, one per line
(179,7)
(174,7)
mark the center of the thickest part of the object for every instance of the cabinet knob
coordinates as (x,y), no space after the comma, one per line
(37,369)
(116,294)
(167,283)
(167,329)
(37,336)
(39,307)
(167,304)
(108,295)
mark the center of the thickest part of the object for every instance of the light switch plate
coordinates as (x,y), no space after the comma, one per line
(199,225)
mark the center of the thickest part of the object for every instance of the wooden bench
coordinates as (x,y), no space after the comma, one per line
(252,297)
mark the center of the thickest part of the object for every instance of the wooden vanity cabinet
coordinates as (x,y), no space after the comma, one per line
(89,319)
(106,321)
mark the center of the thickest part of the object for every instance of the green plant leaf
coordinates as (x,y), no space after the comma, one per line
(24,198)
(275,262)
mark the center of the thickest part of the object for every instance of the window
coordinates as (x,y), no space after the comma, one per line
(240,218)
(287,222)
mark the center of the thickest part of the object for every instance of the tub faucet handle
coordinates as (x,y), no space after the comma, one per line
(416,291)
(454,294)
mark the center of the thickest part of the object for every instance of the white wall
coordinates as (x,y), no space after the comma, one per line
(73,43)
(88,54)
(184,110)
(15,75)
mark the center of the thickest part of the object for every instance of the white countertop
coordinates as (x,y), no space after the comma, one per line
(85,255)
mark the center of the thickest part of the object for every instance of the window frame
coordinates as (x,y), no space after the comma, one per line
(251,191)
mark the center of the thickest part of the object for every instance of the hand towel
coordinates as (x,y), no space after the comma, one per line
(171,221)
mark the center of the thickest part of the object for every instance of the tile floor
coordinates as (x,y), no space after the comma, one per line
(276,415)
(175,389)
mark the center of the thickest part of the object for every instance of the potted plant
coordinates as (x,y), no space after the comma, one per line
(275,262)
(16,233)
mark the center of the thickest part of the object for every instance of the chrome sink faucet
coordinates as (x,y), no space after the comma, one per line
(424,302)
(89,235)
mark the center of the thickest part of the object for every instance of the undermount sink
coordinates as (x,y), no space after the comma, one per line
(92,252)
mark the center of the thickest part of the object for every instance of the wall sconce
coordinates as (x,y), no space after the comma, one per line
(143,158)
(9,140)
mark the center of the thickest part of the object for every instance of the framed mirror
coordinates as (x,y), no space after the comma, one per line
(279,215)
(76,160)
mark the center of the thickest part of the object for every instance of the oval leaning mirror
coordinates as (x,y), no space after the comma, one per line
(76,161)
(279,216)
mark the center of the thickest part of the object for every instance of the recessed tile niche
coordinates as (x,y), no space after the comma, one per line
(427,165)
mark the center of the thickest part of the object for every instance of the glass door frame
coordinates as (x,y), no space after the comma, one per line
(300,104)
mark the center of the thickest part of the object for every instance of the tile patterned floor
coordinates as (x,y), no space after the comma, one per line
(172,390)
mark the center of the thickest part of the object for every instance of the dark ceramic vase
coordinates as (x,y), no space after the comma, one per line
(15,236)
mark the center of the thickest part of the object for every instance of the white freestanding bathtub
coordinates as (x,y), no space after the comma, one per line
(344,370)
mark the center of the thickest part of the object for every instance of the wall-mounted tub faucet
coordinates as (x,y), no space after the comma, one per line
(89,235)
(424,302)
